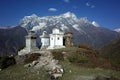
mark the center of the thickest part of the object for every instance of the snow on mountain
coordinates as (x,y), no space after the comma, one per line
(117,30)
(95,24)
(63,27)
(69,15)
(76,26)
(83,20)
(64,21)
(84,31)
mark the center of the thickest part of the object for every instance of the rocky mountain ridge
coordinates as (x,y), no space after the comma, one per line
(12,39)
(84,31)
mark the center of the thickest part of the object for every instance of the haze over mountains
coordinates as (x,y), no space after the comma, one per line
(83,30)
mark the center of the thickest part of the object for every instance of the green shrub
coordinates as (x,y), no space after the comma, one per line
(85,46)
(77,58)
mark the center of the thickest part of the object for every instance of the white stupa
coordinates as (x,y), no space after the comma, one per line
(45,40)
(56,39)
(30,43)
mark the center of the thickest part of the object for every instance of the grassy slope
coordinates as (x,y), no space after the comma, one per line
(19,72)
(71,71)
(111,51)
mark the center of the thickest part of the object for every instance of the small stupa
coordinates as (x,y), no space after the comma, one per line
(30,43)
(45,40)
(56,39)
(68,39)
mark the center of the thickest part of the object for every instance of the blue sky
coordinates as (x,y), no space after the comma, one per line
(105,12)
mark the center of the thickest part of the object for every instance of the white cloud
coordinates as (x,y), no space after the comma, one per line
(52,9)
(87,4)
(67,1)
(92,6)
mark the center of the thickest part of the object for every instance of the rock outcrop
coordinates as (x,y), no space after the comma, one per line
(47,61)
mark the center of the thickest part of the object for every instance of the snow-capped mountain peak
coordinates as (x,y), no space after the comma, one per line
(84,31)
(65,22)
(117,30)
(95,24)
(69,15)
(34,15)
(84,20)
(30,17)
